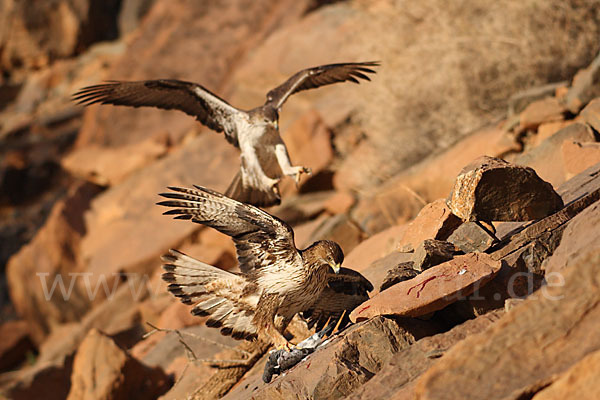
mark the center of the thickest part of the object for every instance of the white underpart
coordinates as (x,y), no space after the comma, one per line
(249,138)
(280,281)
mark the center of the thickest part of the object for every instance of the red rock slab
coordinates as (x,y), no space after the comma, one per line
(112,165)
(538,112)
(435,221)
(15,343)
(339,203)
(547,129)
(374,248)
(433,289)
(577,157)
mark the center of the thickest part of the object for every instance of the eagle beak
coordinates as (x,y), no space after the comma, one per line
(335,268)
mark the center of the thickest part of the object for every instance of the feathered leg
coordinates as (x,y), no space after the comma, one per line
(286,166)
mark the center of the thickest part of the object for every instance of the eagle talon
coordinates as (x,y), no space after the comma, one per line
(272,183)
(288,347)
(297,174)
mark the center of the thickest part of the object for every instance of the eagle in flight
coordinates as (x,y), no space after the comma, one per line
(264,156)
(276,280)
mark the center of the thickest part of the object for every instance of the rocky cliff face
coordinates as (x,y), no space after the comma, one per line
(484,268)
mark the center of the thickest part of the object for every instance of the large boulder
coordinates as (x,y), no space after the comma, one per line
(491,189)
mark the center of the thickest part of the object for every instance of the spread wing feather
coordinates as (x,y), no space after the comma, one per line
(228,300)
(167,94)
(315,77)
(262,241)
(344,292)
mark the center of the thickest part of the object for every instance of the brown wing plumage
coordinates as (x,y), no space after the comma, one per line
(167,94)
(262,241)
(344,291)
(315,77)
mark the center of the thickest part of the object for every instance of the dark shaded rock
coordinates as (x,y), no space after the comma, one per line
(434,221)
(15,344)
(491,189)
(431,290)
(378,271)
(432,252)
(31,180)
(400,273)
(50,381)
(472,236)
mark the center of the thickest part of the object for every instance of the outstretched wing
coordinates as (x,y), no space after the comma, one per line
(311,78)
(261,240)
(167,94)
(344,292)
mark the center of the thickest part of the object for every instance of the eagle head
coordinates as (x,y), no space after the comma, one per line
(265,115)
(326,253)
(271,115)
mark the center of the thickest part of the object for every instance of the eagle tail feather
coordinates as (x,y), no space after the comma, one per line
(213,292)
(251,195)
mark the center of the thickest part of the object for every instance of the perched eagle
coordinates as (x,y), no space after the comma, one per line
(264,156)
(276,281)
